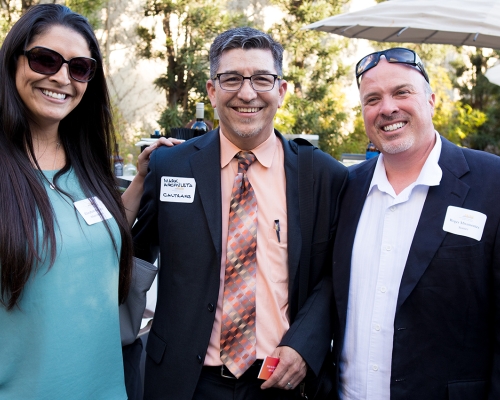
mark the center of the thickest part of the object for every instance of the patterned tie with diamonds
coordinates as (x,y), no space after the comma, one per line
(238,341)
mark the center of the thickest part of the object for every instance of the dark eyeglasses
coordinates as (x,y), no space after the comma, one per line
(399,55)
(259,82)
(48,62)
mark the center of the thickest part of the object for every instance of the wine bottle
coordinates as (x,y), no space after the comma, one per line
(117,162)
(156,135)
(371,151)
(216,119)
(200,127)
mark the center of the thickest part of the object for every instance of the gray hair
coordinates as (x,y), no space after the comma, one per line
(244,38)
(428,89)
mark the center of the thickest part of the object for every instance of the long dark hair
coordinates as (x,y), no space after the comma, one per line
(88,139)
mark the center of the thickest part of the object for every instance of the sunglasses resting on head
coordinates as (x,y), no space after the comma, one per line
(48,62)
(398,55)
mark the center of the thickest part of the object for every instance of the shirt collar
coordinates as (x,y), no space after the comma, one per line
(430,175)
(264,152)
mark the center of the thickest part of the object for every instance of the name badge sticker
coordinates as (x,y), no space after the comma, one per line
(463,222)
(89,213)
(177,190)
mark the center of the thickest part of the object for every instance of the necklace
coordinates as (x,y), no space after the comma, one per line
(54,165)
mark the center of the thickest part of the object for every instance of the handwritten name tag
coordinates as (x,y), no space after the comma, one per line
(461,221)
(177,190)
(89,213)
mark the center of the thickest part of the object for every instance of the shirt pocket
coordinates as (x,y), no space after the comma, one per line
(277,256)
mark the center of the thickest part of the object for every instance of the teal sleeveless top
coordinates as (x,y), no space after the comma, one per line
(63,341)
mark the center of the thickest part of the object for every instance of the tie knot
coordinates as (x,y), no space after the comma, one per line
(245,159)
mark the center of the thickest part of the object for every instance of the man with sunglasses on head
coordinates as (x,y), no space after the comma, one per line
(225,210)
(416,270)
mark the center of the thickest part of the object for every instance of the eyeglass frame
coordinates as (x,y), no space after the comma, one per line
(275,76)
(26,53)
(416,63)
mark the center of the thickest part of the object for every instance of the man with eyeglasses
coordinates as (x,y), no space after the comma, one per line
(416,268)
(241,278)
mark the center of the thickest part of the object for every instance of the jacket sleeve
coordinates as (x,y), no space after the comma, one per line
(495,371)
(310,333)
(145,229)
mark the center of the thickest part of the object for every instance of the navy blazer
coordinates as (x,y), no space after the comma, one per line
(447,322)
(188,236)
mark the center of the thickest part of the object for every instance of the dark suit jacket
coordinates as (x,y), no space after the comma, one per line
(446,327)
(189,240)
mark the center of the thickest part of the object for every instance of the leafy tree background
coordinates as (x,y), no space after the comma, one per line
(190,27)
(467,107)
(478,111)
(316,103)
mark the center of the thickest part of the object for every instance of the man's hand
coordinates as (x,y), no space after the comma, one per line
(291,369)
(143,159)
(132,196)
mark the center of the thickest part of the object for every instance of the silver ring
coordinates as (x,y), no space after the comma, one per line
(289,385)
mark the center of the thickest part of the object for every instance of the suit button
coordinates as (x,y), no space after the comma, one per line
(199,358)
(211,307)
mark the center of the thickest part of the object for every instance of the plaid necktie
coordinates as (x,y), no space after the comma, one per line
(238,341)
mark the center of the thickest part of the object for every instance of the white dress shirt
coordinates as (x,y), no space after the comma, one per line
(383,238)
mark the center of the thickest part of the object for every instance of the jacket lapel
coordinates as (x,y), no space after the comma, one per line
(429,233)
(350,212)
(293,212)
(205,165)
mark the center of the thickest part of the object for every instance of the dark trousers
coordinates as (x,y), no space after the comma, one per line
(212,386)
(131,365)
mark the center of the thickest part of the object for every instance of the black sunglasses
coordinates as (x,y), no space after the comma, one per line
(399,55)
(48,62)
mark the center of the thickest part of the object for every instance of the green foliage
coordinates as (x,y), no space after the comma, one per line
(190,27)
(4,26)
(480,101)
(170,117)
(466,122)
(315,105)
(444,106)
(356,141)
(126,144)
(89,9)
(11,11)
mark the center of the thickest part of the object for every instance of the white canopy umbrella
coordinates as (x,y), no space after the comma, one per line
(493,74)
(456,22)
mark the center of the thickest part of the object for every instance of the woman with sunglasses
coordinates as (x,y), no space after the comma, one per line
(64,265)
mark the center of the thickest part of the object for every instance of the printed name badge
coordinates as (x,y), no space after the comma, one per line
(461,221)
(177,190)
(89,213)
